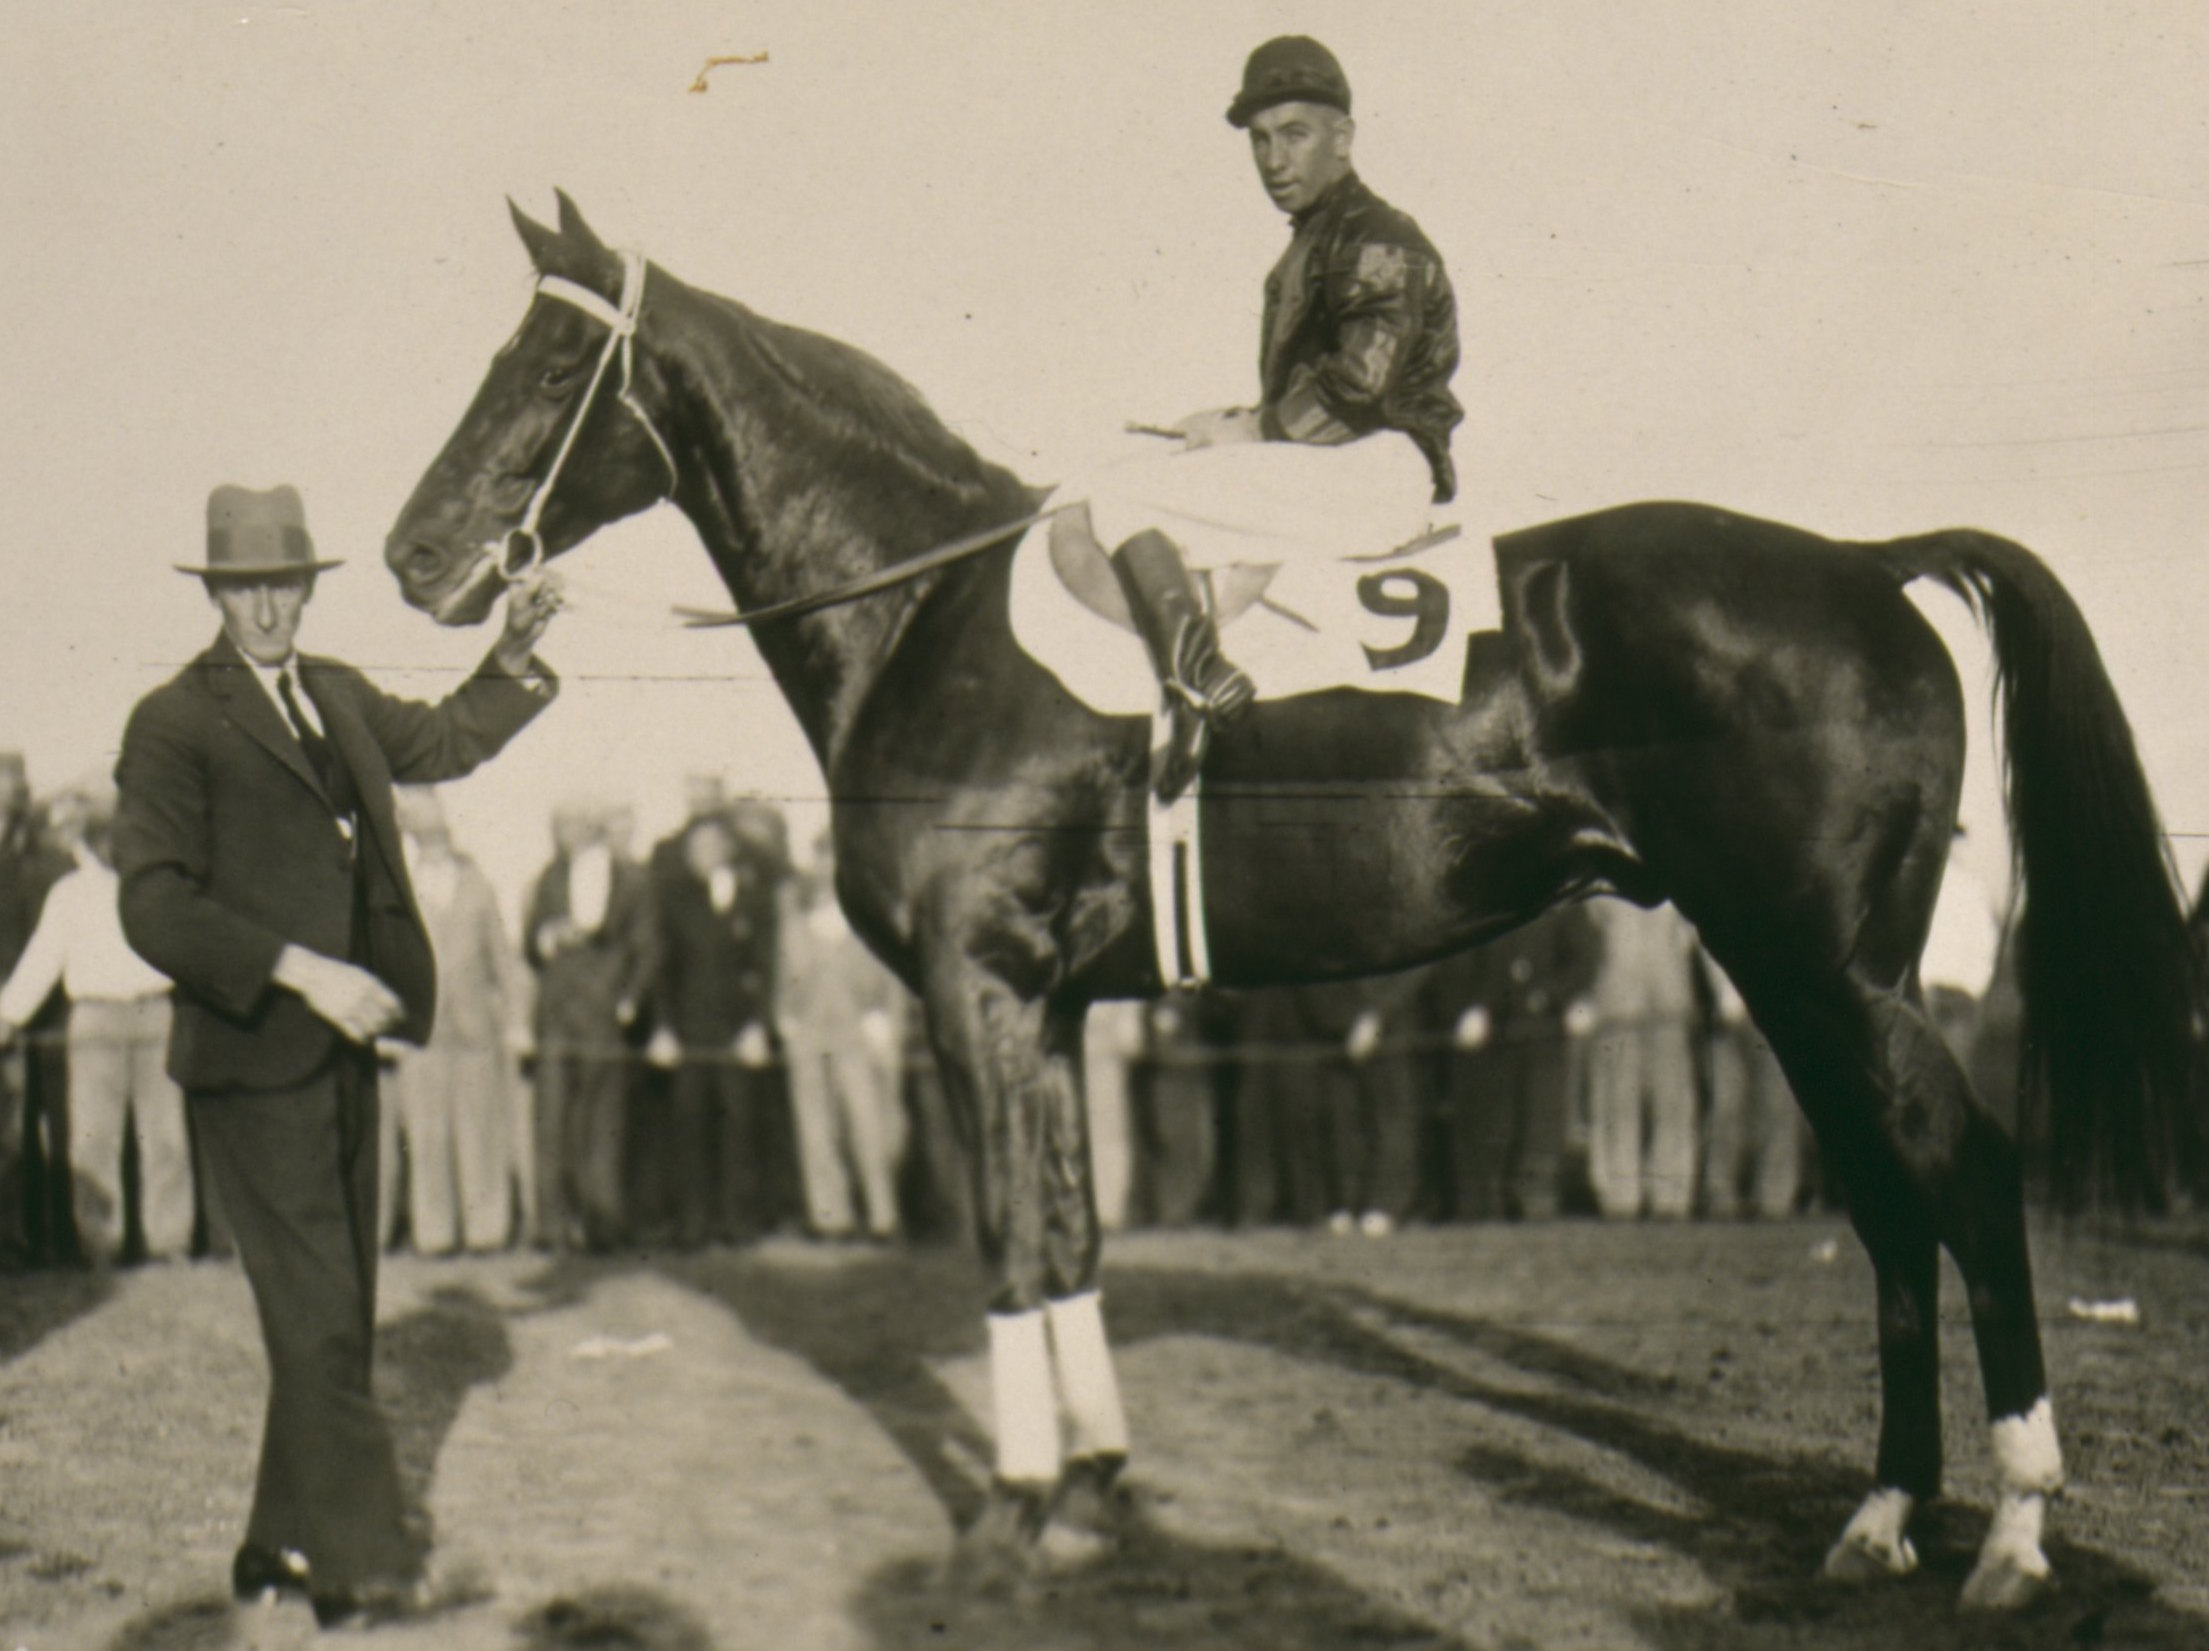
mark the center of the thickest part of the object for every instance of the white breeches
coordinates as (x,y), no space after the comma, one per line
(1266,502)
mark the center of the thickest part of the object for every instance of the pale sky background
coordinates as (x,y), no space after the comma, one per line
(1866,266)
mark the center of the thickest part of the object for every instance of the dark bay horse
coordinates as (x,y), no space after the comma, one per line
(1683,704)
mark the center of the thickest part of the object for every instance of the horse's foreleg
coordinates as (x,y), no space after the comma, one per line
(990,1045)
(1082,1521)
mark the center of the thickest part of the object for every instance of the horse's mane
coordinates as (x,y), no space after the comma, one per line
(864,409)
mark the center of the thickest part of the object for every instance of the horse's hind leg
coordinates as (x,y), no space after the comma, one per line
(1929,1164)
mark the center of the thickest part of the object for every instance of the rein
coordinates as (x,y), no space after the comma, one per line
(957,550)
(621,333)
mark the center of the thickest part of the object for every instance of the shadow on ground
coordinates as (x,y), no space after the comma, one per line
(1763,1521)
(33,1305)
(871,1324)
(426,1362)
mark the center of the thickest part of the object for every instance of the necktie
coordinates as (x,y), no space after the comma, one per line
(316,747)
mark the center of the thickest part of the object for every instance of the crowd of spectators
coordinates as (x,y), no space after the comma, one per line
(692,1047)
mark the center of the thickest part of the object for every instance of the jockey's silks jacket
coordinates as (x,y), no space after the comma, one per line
(1360,331)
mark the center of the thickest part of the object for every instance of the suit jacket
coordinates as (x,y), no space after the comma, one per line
(229,849)
(717,969)
(580,985)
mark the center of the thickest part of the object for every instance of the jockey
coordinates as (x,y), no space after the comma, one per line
(1352,436)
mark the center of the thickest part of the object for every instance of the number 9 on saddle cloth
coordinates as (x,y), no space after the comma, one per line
(1296,547)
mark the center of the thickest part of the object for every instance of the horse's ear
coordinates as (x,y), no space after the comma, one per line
(539,240)
(572,226)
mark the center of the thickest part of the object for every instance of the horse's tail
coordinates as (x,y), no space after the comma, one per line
(2105,965)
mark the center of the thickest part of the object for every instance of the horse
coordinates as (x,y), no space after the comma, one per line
(1682,703)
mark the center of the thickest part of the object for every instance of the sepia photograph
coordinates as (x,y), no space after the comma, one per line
(1117,826)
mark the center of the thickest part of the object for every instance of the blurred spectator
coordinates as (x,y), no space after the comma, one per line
(1502,1009)
(651,1178)
(455,1096)
(1341,1088)
(715,968)
(1112,1039)
(838,1010)
(30,1096)
(588,935)
(1754,1134)
(1641,1064)
(119,1010)
(1178,1101)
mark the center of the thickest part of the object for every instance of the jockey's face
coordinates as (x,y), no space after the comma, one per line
(261,614)
(1300,150)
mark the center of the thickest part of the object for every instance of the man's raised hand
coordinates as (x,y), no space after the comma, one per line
(1220,427)
(530,605)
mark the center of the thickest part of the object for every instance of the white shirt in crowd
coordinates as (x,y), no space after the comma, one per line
(590,885)
(79,945)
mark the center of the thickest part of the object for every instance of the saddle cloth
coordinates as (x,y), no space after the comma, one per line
(1385,620)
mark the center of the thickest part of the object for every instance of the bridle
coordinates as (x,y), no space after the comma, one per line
(523,550)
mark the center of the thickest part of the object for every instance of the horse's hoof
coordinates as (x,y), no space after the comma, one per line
(995,1555)
(1088,1512)
(2007,1581)
(1853,1560)
(1875,1546)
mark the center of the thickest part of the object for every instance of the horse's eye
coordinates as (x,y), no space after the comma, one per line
(558,381)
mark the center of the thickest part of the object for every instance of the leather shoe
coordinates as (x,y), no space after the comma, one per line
(256,1570)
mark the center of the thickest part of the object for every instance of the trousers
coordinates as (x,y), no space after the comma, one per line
(119,1081)
(296,1169)
(1642,1158)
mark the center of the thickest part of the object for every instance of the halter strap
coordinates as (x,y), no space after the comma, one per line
(621,333)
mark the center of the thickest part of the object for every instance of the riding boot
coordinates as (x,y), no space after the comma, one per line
(1202,689)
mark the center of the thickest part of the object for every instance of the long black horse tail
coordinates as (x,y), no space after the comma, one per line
(2105,964)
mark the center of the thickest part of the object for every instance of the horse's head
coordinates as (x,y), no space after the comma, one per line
(558,442)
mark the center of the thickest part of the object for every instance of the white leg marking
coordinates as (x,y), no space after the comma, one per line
(2012,1569)
(1095,1423)
(1021,1396)
(2026,1453)
(1875,1543)
(2028,1459)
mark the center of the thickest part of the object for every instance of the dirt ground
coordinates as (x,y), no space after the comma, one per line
(1557,1436)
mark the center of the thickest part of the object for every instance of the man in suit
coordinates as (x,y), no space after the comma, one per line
(716,967)
(262,872)
(589,935)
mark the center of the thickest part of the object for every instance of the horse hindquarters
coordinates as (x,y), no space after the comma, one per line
(1777,736)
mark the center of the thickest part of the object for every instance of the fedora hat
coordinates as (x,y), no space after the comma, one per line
(251,533)
(1291,68)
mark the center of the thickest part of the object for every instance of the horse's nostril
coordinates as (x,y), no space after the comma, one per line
(425,561)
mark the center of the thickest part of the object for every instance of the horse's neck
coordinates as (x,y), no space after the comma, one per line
(793,495)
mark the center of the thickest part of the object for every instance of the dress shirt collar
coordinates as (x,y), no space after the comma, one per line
(268,676)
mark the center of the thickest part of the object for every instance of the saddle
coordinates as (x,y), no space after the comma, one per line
(1390,622)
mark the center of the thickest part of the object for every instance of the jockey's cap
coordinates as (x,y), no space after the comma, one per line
(1290,68)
